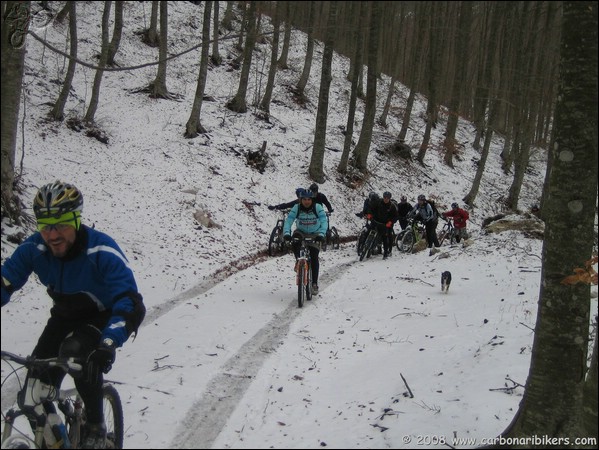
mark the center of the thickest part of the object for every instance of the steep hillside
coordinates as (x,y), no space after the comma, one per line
(149,173)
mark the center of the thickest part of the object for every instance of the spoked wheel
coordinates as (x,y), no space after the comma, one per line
(407,242)
(309,283)
(301,288)
(361,242)
(274,243)
(368,245)
(113,416)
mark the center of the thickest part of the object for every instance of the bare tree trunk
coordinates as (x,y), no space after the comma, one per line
(150,36)
(356,67)
(57,112)
(93,103)
(228,17)
(194,126)
(113,48)
(316,170)
(362,148)
(461,59)
(286,38)
(215,58)
(272,70)
(158,88)
(14,31)
(303,81)
(553,400)
(238,103)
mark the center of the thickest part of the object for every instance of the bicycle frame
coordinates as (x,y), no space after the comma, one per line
(40,404)
(31,404)
(303,266)
(447,232)
(411,236)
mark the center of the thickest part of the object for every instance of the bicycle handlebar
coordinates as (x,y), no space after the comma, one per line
(67,364)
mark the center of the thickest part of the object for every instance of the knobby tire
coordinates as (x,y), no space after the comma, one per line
(301,288)
(113,416)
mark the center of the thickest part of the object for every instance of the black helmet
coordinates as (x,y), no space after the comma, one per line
(314,187)
(404,198)
(55,199)
(455,205)
(373,196)
(386,194)
(421,197)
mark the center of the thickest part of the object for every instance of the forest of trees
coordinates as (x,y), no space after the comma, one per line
(525,70)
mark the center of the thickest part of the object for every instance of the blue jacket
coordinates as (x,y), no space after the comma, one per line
(425,212)
(310,221)
(95,278)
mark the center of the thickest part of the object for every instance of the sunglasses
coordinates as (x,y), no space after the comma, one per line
(61,227)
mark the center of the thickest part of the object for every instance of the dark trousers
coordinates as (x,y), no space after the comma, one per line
(48,346)
(314,261)
(431,233)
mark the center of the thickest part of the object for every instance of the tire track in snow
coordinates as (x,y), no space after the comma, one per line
(208,416)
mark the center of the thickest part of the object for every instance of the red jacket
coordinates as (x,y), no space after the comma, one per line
(460,216)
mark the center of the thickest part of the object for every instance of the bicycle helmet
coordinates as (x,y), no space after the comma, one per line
(373,196)
(404,198)
(314,188)
(305,193)
(455,205)
(55,199)
(386,194)
(422,197)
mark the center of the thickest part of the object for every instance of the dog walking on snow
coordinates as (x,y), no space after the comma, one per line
(445,281)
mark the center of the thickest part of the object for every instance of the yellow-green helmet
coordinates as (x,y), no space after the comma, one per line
(55,199)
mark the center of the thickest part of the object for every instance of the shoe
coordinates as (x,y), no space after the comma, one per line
(433,251)
(386,255)
(314,289)
(95,436)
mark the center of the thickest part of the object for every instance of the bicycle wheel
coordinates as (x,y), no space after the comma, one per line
(361,241)
(301,288)
(113,416)
(441,236)
(335,240)
(370,240)
(407,242)
(276,236)
(309,283)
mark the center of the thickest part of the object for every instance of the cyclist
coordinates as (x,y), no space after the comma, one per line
(372,198)
(319,197)
(423,211)
(460,216)
(96,302)
(290,204)
(383,214)
(309,218)
(403,210)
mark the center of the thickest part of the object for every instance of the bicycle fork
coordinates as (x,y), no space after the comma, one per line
(301,263)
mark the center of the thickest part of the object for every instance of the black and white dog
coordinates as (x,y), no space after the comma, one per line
(445,281)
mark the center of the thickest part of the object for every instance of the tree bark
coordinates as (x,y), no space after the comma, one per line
(315,170)
(553,401)
(57,112)
(194,126)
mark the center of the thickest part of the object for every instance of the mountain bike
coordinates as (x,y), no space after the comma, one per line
(303,267)
(47,417)
(413,233)
(276,243)
(373,242)
(447,232)
(332,236)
